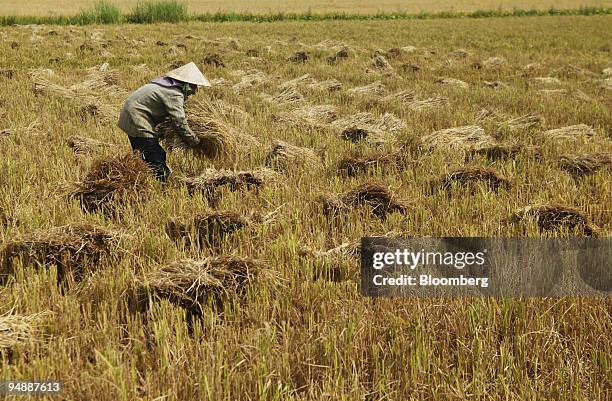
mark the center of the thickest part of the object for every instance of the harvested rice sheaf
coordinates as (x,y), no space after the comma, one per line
(101,81)
(467,137)
(213,59)
(373,89)
(302,80)
(452,82)
(494,85)
(329,85)
(379,62)
(336,264)
(7,73)
(488,115)
(369,128)
(99,111)
(286,96)
(405,96)
(554,217)
(341,54)
(298,57)
(308,116)
(459,54)
(284,156)
(470,177)
(572,132)
(17,329)
(523,122)
(501,151)
(308,82)
(210,229)
(82,144)
(569,70)
(249,79)
(581,165)
(386,122)
(113,180)
(546,80)
(575,94)
(378,197)
(194,284)
(428,104)
(212,180)
(493,62)
(75,249)
(360,164)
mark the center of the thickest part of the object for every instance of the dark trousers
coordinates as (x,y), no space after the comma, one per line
(153,154)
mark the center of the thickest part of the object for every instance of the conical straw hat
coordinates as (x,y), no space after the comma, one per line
(189,73)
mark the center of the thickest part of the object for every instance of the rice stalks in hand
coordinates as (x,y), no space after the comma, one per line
(194,284)
(581,165)
(470,177)
(75,249)
(284,156)
(112,180)
(376,196)
(554,217)
(218,139)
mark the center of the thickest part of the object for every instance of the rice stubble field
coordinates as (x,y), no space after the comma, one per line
(239,279)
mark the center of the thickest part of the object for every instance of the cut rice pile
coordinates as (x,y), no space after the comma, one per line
(194,284)
(74,249)
(554,217)
(376,196)
(470,136)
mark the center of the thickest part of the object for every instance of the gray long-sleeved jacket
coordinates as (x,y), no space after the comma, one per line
(150,105)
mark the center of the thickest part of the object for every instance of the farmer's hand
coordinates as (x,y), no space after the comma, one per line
(192,140)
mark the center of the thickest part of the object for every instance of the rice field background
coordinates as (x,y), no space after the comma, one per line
(62,7)
(287,321)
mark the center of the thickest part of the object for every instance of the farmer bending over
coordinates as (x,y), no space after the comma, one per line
(153,103)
